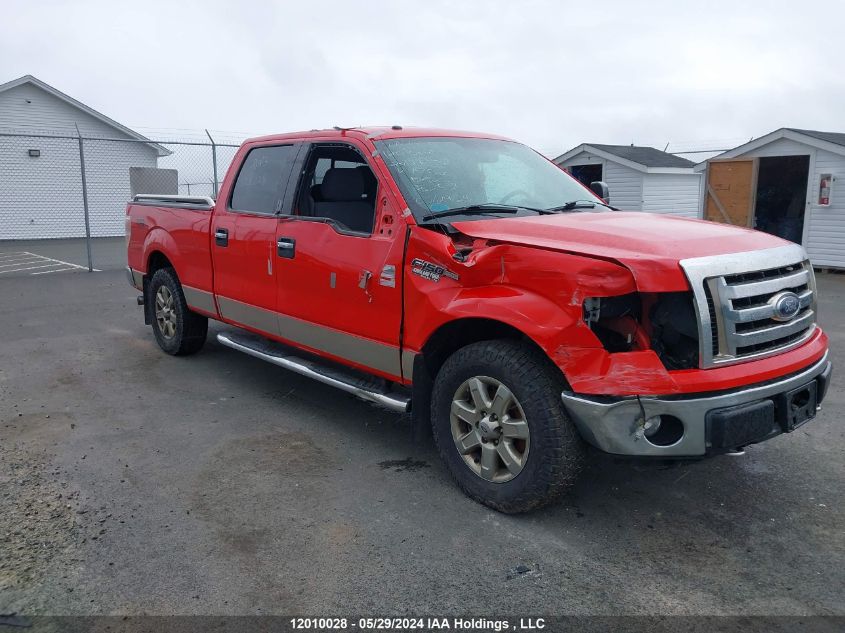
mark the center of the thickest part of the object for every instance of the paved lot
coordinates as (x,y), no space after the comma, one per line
(107,253)
(132,482)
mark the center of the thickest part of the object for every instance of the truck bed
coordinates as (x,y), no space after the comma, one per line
(184,222)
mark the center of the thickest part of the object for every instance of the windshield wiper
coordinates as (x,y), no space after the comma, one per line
(473,209)
(487,207)
(580,204)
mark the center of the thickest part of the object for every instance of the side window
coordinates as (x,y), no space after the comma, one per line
(326,163)
(260,186)
(339,185)
(320,169)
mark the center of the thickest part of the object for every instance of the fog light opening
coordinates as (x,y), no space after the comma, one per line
(651,426)
(663,430)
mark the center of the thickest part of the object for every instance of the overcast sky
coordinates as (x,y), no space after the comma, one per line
(552,74)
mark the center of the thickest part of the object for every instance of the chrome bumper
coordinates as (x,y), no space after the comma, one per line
(617,425)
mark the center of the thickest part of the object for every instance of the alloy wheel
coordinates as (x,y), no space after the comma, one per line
(165,312)
(490,429)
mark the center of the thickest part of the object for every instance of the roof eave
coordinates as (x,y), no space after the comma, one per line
(778,134)
(586,147)
(160,149)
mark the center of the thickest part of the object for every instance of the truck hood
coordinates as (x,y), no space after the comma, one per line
(648,244)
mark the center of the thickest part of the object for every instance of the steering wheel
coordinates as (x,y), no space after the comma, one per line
(513,193)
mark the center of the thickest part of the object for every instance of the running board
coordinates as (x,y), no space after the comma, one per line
(362,386)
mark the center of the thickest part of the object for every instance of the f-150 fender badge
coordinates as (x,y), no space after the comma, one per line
(434,272)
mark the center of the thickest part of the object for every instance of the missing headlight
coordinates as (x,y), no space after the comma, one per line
(615,322)
(674,330)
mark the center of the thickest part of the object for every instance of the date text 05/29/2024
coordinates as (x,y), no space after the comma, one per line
(418,624)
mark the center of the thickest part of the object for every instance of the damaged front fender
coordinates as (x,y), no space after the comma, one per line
(598,372)
(536,291)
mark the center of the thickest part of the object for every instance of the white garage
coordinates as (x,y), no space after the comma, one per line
(639,178)
(784,183)
(40,176)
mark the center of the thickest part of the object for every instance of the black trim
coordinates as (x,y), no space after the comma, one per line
(824,382)
(148,300)
(338,228)
(729,428)
(734,427)
(286,247)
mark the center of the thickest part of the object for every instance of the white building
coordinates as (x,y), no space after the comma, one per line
(784,183)
(639,178)
(40,178)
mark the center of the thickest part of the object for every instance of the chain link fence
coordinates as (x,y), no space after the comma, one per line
(69,188)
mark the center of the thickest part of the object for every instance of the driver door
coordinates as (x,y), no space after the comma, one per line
(339,262)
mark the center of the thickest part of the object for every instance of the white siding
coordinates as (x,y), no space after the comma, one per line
(675,194)
(47,114)
(781,147)
(42,197)
(825,233)
(625,184)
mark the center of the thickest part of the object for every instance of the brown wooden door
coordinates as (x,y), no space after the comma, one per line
(730,192)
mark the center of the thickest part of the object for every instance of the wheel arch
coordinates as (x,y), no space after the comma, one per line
(444,341)
(488,312)
(452,335)
(160,251)
(157,255)
(156,260)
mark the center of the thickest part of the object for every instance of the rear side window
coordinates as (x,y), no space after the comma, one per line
(261,183)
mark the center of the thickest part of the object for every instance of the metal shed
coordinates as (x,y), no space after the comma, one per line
(639,178)
(783,183)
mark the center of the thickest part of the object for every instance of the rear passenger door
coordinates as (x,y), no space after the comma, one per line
(243,236)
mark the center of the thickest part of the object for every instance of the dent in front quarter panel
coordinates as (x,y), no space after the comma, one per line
(539,292)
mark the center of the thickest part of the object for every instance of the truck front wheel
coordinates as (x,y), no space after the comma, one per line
(177,329)
(501,428)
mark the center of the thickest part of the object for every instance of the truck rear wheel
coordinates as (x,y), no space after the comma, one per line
(501,428)
(177,329)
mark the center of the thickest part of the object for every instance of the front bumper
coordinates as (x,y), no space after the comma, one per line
(707,424)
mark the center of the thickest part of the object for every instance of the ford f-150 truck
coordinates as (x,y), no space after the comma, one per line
(470,281)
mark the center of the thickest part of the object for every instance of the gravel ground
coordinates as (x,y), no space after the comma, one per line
(133,483)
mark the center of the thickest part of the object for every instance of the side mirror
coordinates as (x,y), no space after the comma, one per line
(600,189)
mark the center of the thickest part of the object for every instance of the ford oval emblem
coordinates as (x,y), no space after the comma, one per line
(785,305)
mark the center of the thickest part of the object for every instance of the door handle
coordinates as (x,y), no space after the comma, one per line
(286,247)
(221,237)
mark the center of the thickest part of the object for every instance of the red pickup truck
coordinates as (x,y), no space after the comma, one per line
(466,279)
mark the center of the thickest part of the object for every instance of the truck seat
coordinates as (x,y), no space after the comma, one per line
(370,183)
(343,191)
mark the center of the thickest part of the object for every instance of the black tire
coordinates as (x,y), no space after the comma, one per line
(191,329)
(554,459)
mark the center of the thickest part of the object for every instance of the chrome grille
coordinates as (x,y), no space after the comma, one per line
(735,297)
